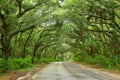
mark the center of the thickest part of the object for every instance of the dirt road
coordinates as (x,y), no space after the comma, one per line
(69,71)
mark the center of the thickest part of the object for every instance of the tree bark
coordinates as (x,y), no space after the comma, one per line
(5,39)
(34,54)
(5,42)
(25,44)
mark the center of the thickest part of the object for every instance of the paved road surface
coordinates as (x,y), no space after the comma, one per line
(69,71)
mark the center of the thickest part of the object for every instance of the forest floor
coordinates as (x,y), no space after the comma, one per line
(24,74)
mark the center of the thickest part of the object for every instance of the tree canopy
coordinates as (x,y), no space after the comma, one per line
(40,30)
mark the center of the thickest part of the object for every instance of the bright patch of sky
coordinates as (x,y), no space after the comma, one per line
(61,3)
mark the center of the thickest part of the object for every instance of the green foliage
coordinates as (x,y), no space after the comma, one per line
(20,63)
(83,57)
(47,29)
(15,63)
(46,60)
(2,65)
(101,60)
(116,60)
(80,56)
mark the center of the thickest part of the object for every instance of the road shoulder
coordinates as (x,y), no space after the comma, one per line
(97,69)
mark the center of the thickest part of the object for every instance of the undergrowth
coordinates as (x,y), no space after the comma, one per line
(20,63)
(112,62)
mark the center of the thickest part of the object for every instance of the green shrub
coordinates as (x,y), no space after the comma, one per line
(115,60)
(46,60)
(3,66)
(89,60)
(99,59)
(80,57)
(15,63)
(102,60)
(20,63)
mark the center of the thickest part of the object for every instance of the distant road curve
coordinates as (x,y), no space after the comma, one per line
(69,71)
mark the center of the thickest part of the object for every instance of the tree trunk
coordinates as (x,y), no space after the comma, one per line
(25,44)
(34,54)
(5,42)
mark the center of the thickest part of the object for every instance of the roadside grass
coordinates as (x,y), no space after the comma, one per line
(111,63)
(19,67)
(14,74)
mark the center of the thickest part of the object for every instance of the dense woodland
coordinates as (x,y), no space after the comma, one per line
(37,31)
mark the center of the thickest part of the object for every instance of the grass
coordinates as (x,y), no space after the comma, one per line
(13,74)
